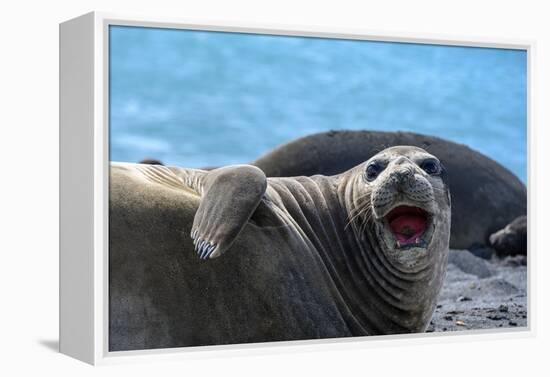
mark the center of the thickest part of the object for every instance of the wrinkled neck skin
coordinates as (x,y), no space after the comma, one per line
(400,297)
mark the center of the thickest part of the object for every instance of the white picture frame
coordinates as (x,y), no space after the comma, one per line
(84,146)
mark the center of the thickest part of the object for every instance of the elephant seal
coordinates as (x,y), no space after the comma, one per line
(512,239)
(486,196)
(230,256)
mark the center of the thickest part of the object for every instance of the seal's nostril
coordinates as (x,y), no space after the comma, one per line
(403,175)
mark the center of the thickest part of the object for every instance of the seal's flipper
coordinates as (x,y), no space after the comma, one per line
(229,197)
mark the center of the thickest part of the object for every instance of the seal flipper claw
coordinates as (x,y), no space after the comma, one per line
(198,246)
(210,251)
(207,252)
(229,198)
(204,250)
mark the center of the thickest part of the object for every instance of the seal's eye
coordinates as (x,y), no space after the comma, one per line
(373,169)
(431,167)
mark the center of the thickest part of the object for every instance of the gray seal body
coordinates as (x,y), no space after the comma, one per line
(230,256)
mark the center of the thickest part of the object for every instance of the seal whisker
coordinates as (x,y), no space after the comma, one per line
(361,211)
(359,207)
(365,195)
(357,211)
(365,222)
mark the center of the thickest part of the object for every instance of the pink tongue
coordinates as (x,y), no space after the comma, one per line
(407,228)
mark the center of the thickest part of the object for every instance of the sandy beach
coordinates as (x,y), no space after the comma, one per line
(482,294)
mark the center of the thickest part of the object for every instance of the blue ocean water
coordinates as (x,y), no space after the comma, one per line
(195,98)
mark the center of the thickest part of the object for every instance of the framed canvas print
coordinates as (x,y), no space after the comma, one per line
(225,186)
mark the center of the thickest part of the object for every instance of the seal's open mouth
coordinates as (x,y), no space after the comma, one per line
(409,226)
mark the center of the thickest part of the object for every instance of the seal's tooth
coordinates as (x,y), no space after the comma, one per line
(398,244)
